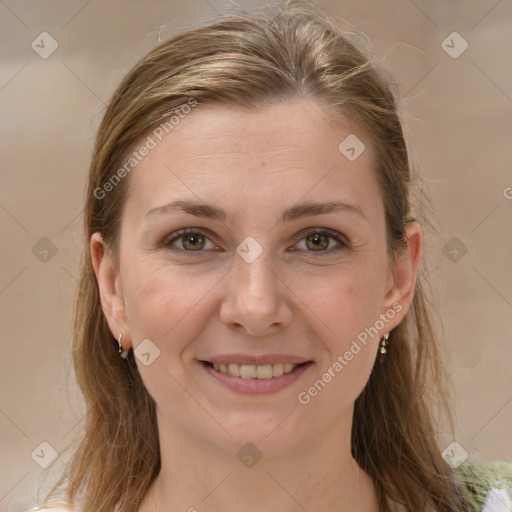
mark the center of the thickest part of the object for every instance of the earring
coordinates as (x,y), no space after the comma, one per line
(122,351)
(383,344)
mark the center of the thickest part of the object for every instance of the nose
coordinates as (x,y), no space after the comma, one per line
(257,301)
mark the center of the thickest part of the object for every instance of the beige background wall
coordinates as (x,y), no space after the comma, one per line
(458,120)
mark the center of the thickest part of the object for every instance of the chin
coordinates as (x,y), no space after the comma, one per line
(273,436)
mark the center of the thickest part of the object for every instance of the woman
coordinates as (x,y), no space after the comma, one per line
(253,253)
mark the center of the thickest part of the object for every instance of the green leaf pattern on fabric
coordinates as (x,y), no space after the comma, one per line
(486,485)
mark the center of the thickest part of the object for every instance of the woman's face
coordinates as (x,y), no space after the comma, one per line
(251,284)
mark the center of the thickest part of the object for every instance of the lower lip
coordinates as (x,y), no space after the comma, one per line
(257,386)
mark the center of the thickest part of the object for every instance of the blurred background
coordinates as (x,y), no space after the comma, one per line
(60,62)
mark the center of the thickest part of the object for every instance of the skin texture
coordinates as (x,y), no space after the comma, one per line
(292,299)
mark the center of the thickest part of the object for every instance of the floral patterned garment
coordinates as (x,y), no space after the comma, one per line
(488,485)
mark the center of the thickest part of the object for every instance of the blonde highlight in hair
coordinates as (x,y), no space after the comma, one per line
(289,50)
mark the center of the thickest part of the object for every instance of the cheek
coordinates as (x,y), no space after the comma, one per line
(348,309)
(168,307)
(345,301)
(165,304)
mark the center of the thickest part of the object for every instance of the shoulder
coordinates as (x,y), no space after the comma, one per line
(487,485)
(52,508)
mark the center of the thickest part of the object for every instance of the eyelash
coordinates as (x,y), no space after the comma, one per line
(343,243)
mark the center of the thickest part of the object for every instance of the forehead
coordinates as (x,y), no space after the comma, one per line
(278,153)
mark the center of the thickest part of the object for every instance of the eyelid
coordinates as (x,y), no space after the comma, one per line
(176,235)
(340,238)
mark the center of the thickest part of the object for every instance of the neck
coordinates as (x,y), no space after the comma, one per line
(196,476)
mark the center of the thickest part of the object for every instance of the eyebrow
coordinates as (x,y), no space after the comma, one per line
(306,209)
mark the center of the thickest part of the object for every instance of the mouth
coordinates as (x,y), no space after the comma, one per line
(251,371)
(255,373)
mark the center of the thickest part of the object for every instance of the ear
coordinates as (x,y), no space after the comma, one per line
(110,289)
(402,281)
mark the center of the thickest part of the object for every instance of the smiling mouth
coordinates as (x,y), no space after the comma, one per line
(250,371)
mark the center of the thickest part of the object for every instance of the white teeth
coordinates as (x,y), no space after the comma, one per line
(250,371)
(264,372)
(277,369)
(234,369)
(247,371)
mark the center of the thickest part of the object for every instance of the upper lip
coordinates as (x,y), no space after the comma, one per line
(256,360)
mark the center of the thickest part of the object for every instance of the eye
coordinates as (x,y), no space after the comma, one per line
(188,240)
(320,241)
(195,241)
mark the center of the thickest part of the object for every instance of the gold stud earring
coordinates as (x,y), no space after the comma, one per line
(122,351)
(383,344)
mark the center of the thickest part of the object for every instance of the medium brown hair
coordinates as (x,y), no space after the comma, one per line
(291,50)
